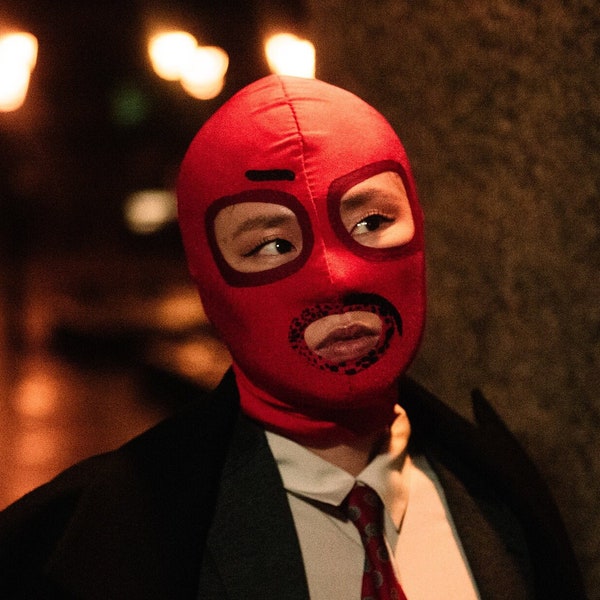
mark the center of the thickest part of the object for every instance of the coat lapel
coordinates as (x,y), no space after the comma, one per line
(490,536)
(253,544)
(138,529)
(460,453)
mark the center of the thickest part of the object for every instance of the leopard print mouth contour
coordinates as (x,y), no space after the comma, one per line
(391,322)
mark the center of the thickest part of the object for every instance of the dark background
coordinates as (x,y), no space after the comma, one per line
(498,104)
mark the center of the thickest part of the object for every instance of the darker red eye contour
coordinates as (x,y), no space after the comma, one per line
(342,184)
(237,278)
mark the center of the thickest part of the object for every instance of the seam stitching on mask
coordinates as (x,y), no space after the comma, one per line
(302,153)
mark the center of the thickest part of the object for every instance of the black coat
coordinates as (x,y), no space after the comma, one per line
(195,508)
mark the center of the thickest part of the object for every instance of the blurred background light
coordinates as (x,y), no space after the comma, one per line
(37,395)
(176,56)
(287,54)
(18,55)
(148,211)
(170,51)
(14,83)
(21,48)
(203,76)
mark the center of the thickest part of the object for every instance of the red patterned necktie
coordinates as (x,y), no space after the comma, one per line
(365,510)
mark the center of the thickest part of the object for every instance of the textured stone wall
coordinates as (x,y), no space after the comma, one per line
(498,104)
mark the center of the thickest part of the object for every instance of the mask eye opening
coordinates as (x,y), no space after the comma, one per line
(237,278)
(342,184)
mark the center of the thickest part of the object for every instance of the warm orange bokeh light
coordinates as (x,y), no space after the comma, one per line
(18,55)
(169,52)
(289,55)
(176,56)
(204,75)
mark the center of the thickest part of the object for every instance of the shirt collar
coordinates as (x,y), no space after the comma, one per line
(307,475)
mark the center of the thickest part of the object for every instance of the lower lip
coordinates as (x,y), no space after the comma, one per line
(350,349)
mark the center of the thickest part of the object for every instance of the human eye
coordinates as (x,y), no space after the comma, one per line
(370,223)
(271,247)
(267,251)
(376,212)
(257,236)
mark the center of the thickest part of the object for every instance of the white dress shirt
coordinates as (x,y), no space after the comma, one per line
(428,556)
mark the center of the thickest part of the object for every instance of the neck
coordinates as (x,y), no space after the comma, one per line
(347,436)
(355,455)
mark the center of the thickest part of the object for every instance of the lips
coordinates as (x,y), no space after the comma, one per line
(348,342)
(345,337)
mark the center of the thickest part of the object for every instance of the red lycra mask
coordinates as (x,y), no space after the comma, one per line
(303,144)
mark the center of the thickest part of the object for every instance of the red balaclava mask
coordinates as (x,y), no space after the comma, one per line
(302,143)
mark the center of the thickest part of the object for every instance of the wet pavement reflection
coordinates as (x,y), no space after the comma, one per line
(101,358)
(58,413)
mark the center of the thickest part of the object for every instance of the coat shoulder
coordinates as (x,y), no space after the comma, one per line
(109,497)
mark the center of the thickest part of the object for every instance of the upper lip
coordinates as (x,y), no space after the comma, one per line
(344,333)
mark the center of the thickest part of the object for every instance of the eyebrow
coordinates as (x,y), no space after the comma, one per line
(359,199)
(270,175)
(261,222)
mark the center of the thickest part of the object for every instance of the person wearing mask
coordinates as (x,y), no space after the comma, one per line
(317,469)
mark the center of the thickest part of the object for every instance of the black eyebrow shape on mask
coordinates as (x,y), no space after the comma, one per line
(270,175)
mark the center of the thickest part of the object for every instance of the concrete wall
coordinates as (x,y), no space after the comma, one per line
(498,104)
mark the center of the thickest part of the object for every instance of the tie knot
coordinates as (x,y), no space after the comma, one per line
(365,509)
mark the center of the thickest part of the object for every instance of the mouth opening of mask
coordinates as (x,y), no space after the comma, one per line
(348,336)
